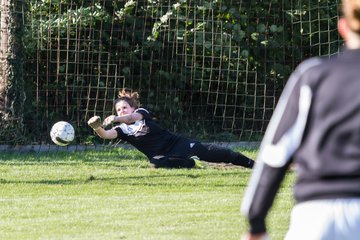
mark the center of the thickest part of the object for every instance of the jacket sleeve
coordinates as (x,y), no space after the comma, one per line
(282,138)
(145,113)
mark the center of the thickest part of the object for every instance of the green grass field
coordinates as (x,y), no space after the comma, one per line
(116,195)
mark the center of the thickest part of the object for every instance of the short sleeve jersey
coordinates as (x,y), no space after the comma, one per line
(146,135)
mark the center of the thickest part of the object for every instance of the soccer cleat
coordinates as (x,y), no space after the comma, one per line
(198,163)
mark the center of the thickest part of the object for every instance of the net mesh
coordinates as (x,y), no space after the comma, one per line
(212,70)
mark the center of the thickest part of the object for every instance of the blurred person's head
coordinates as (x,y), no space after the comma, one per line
(349,23)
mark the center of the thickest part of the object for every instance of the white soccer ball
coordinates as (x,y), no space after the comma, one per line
(62,133)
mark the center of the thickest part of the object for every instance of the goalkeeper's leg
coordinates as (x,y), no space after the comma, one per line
(217,154)
(172,162)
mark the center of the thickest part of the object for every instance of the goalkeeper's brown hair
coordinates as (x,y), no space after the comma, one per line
(351,11)
(132,98)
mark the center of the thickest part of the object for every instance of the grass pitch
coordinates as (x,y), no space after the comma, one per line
(116,195)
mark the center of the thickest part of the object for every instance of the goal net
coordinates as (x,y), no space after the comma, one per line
(212,70)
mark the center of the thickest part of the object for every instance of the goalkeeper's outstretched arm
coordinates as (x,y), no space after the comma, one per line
(126,118)
(95,123)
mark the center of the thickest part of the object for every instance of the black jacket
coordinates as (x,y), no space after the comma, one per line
(316,125)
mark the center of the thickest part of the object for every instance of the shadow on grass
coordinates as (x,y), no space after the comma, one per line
(86,156)
(175,179)
(45,182)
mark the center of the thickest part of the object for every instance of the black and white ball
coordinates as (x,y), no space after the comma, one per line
(62,133)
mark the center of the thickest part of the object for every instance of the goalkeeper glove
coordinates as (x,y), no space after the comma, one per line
(94,122)
(109,120)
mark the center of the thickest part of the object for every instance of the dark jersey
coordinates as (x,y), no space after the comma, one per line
(147,136)
(316,125)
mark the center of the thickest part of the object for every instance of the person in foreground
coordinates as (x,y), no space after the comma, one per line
(163,148)
(316,126)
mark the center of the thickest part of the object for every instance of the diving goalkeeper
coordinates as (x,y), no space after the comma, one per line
(163,148)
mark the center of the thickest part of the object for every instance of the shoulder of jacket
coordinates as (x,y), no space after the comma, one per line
(142,109)
(310,63)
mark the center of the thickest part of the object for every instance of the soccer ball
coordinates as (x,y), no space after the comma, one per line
(62,133)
